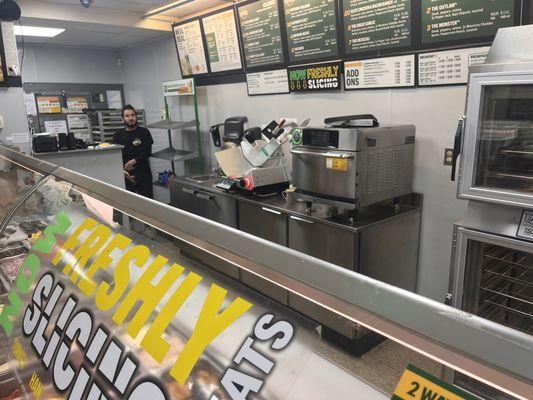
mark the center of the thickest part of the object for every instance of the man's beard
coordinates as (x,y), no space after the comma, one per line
(131,124)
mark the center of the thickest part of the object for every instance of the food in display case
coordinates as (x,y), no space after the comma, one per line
(10,266)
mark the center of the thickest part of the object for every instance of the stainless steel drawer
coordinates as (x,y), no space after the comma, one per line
(183,197)
(264,222)
(338,246)
(217,207)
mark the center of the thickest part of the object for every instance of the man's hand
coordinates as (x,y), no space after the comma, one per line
(130,165)
(129,177)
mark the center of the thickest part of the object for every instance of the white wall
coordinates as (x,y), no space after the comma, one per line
(13,112)
(434,112)
(69,65)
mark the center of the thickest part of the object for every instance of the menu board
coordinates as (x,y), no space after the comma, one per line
(311,29)
(445,20)
(191,52)
(222,42)
(380,73)
(448,67)
(49,104)
(261,33)
(376,25)
(77,104)
(269,82)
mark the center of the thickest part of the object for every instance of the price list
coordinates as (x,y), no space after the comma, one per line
(222,41)
(445,20)
(311,29)
(376,24)
(448,67)
(261,34)
(380,73)
(190,48)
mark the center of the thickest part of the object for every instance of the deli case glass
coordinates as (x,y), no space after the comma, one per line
(94,307)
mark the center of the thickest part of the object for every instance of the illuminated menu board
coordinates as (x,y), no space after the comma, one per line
(261,33)
(222,42)
(190,47)
(376,25)
(311,29)
(445,20)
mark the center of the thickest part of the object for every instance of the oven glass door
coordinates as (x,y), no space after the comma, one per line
(493,278)
(498,156)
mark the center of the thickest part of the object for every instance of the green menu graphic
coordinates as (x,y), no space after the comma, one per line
(212,49)
(376,25)
(311,29)
(445,20)
(261,34)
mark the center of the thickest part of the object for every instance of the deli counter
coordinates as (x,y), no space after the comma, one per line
(92,308)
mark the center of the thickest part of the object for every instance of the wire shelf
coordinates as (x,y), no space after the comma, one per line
(506,288)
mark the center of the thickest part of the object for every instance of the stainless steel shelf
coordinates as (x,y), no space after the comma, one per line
(506,288)
(173,154)
(168,124)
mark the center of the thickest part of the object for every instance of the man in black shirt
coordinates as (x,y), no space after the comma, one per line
(137,142)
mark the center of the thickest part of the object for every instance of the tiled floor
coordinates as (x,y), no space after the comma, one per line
(382,366)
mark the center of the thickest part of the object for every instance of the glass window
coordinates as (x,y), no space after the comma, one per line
(505,138)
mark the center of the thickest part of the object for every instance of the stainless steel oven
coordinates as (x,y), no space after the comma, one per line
(497,144)
(492,274)
(353,167)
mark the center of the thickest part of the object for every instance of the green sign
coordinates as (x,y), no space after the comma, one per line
(261,34)
(311,29)
(315,78)
(212,49)
(444,20)
(376,25)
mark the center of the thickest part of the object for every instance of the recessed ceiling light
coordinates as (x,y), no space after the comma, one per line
(37,31)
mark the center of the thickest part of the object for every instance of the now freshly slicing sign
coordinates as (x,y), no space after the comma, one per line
(315,78)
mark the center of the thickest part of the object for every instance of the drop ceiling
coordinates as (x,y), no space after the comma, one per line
(85,31)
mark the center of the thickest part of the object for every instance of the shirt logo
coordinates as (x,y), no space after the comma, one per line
(136,142)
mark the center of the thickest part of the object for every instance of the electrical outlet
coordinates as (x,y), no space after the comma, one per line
(448,156)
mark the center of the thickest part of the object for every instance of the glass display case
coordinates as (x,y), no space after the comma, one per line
(91,305)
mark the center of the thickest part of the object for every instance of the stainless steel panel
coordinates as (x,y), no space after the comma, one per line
(328,243)
(217,207)
(183,197)
(386,173)
(359,139)
(265,287)
(325,317)
(394,239)
(310,174)
(264,222)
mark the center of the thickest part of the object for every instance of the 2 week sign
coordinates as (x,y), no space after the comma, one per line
(416,384)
